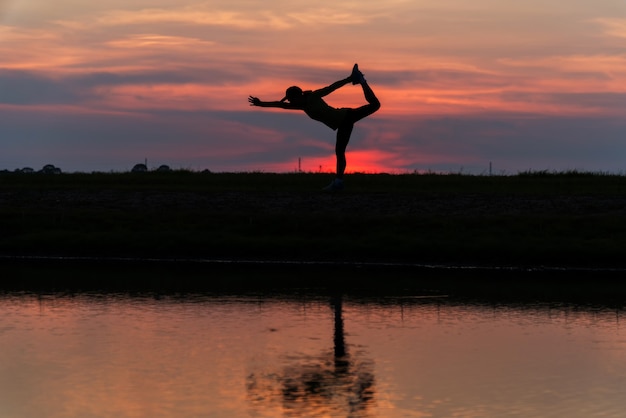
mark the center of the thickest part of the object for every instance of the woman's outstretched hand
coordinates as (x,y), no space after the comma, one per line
(254,101)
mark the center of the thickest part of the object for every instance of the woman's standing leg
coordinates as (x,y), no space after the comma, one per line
(343,137)
(345,129)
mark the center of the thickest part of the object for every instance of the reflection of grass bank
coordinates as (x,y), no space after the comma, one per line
(411,284)
(529,219)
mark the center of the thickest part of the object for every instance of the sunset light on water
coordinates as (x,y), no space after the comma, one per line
(241,356)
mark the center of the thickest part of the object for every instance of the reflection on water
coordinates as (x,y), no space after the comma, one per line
(297,356)
(334,383)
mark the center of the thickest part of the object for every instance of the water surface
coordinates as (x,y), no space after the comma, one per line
(115,355)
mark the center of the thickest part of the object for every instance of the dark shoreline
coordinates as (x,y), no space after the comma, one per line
(319,264)
(67,275)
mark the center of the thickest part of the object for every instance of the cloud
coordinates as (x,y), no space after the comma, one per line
(188,15)
(35,87)
(155,40)
(25,87)
(590,103)
(613,26)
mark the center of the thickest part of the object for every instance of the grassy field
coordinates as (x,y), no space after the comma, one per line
(531,219)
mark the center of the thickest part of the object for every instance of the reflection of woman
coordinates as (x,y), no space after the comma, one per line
(326,385)
(342,120)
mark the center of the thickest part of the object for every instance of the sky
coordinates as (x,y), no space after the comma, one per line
(472,87)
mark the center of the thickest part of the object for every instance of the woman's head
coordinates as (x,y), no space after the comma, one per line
(292,93)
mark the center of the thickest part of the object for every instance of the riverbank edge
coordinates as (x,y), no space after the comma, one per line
(521,284)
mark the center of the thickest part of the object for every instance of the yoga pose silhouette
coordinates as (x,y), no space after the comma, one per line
(342,120)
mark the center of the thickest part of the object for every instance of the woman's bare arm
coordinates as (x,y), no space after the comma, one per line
(255,101)
(324,91)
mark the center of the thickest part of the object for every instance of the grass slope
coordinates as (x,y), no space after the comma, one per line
(531,219)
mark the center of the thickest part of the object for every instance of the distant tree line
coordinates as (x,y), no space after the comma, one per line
(51,169)
(142,168)
(46,169)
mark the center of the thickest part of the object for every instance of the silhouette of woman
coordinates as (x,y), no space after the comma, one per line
(342,120)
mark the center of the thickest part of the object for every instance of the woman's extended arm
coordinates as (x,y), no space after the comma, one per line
(324,91)
(255,101)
